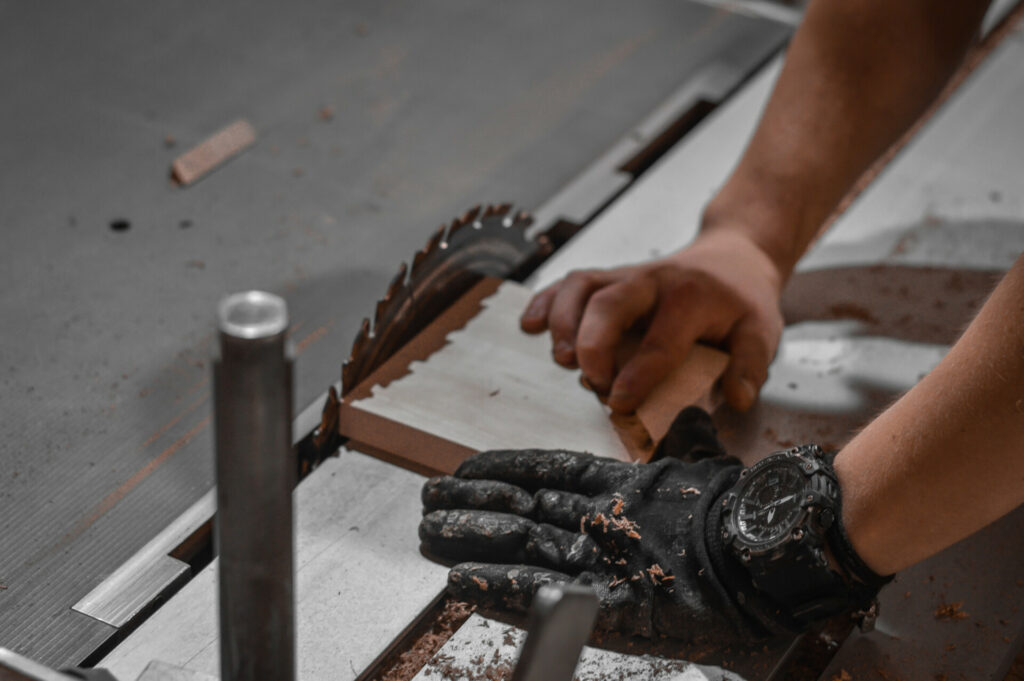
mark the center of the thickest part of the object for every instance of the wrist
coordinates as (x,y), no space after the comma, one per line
(773,223)
(729,245)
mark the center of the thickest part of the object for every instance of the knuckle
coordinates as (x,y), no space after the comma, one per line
(594,348)
(612,297)
(581,276)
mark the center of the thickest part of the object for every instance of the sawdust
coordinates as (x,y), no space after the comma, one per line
(951,611)
(479,669)
(406,661)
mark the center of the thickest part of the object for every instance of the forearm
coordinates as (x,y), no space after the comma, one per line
(858,73)
(948,457)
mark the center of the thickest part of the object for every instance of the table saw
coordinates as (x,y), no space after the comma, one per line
(938,223)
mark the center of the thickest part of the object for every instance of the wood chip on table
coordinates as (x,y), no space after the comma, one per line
(213,152)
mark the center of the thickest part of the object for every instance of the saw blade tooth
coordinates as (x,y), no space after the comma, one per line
(362,336)
(468,216)
(379,313)
(398,282)
(417,262)
(456,227)
(351,366)
(434,240)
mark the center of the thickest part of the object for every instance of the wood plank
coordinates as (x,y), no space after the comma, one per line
(488,385)
(360,579)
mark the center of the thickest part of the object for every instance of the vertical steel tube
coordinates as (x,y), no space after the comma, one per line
(255,478)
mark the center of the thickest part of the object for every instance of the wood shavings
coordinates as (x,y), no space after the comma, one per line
(617,505)
(951,611)
(657,575)
(625,525)
(686,491)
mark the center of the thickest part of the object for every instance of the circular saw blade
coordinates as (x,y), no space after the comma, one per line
(483,242)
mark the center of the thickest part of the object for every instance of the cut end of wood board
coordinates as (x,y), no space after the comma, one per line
(212,152)
(451,392)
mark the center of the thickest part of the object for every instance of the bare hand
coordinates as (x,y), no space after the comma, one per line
(722,290)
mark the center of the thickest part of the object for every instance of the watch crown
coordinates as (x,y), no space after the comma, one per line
(826,518)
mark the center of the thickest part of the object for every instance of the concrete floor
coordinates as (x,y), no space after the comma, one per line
(377,121)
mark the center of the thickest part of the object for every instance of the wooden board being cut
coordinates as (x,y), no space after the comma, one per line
(450,393)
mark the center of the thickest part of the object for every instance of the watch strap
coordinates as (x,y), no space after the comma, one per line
(775,602)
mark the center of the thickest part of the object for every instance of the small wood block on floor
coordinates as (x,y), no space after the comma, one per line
(474,381)
(212,152)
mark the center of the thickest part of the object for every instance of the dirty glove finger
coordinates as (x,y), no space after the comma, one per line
(533,469)
(476,535)
(500,587)
(571,552)
(448,492)
(562,509)
(503,538)
(691,437)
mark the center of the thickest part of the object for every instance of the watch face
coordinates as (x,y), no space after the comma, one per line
(770,504)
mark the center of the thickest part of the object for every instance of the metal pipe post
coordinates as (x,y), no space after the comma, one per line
(255,479)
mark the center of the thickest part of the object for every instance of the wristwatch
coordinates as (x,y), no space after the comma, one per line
(779,520)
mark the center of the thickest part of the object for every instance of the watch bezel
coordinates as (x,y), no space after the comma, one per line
(750,483)
(807,461)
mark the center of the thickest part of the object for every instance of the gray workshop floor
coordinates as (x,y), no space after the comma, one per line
(377,121)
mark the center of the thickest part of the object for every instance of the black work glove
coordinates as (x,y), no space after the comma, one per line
(647,537)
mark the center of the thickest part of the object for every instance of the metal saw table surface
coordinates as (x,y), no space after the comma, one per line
(376,121)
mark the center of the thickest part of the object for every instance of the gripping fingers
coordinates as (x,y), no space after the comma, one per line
(668,340)
(448,492)
(751,346)
(609,314)
(535,317)
(566,311)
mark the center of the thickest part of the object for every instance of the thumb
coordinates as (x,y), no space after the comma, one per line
(752,346)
